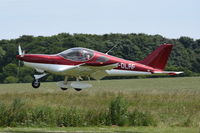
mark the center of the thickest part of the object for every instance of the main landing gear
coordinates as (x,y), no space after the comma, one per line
(64,85)
(64,89)
(77,89)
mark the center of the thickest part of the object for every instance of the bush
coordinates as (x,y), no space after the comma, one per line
(137,118)
(11,79)
(2,114)
(118,111)
(43,116)
(19,114)
(70,117)
(13,115)
(96,118)
(27,79)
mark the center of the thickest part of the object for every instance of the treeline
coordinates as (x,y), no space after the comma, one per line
(185,55)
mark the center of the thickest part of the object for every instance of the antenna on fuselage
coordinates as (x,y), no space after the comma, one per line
(111,48)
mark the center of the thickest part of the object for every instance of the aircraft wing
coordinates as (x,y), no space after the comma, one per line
(100,71)
(96,72)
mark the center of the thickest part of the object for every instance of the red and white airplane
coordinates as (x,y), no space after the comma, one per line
(82,62)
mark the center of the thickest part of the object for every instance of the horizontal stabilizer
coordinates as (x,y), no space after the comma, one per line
(168,72)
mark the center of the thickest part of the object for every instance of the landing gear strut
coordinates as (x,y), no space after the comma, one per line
(65,83)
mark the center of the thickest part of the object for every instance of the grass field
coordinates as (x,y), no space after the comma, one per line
(173,102)
(104,130)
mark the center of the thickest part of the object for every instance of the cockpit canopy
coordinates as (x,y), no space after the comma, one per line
(77,54)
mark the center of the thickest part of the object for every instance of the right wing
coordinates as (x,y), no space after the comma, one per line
(96,72)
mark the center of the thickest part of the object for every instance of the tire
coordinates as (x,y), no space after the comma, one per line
(77,89)
(64,89)
(36,84)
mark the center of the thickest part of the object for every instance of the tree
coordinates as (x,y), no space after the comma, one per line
(2,52)
(11,79)
(10,70)
(187,42)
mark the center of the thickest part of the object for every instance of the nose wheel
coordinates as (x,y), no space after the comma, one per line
(36,83)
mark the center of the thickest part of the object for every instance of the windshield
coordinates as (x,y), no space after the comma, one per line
(77,54)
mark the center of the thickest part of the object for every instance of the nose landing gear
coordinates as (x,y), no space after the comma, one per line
(36,82)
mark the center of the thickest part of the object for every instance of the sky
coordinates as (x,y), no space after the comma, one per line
(169,18)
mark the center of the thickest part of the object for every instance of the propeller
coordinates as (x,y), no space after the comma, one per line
(21,53)
(20,50)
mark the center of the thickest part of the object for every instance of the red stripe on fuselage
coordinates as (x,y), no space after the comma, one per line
(46,59)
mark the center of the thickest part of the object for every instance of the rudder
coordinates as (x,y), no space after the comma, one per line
(158,58)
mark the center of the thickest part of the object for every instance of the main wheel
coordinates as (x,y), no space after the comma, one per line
(77,89)
(64,89)
(36,84)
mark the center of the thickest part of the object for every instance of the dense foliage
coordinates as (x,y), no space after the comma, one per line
(185,55)
(20,114)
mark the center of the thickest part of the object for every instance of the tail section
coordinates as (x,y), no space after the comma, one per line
(158,58)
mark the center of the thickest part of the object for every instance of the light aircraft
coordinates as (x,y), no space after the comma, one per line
(82,62)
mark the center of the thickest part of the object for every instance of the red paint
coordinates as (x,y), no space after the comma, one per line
(156,61)
(158,58)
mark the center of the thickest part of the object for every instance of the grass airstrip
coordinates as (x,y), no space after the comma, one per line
(173,102)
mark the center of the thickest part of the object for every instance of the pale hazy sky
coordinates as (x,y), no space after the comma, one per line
(170,18)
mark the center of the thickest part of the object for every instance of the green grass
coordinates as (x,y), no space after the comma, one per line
(105,130)
(173,102)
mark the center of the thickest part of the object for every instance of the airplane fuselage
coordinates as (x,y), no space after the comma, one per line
(56,64)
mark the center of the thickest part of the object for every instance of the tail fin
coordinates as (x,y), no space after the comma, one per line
(158,58)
